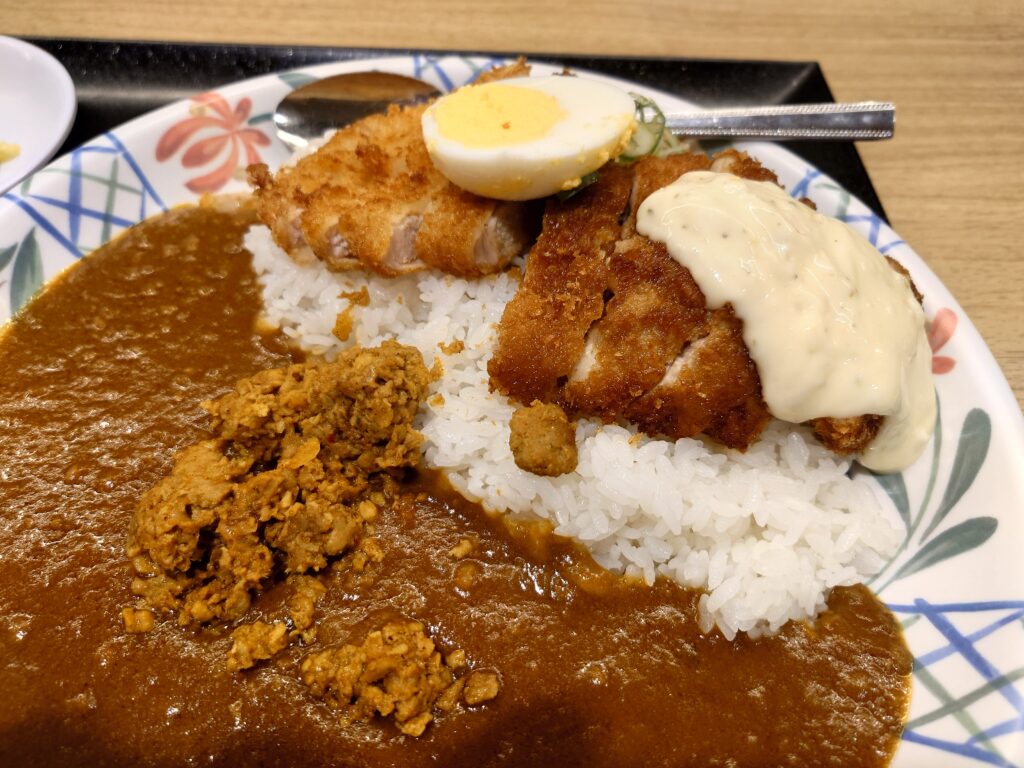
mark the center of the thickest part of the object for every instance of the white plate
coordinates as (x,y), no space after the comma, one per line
(37,107)
(957,584)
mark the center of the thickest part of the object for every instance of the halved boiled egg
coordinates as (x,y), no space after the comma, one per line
(527,137)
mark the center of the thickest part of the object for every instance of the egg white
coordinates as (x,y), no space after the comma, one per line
(596,125)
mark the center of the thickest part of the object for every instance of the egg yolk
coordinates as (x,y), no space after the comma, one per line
(496,115)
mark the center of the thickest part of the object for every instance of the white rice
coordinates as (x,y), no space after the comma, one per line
(765,534)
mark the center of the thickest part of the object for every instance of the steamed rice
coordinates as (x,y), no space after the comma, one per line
(765,534)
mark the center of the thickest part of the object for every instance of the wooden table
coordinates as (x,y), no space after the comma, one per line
(952,181)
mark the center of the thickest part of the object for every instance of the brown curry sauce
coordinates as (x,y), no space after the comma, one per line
(100,380)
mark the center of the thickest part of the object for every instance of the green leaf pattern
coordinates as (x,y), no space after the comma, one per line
(970,455)
(27,274)
(950,543)
(894,485)
(296,79)
(6,254)
(972,448)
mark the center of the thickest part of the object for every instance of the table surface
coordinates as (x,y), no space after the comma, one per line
(952,181)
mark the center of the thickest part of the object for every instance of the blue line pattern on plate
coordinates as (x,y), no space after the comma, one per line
(961,689)
(452,71)
(964,750)
(104,165)
(959,646)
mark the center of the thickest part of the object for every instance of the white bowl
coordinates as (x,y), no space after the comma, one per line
(37,107)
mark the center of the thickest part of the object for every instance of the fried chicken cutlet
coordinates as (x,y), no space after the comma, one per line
(370,198)
(607,324)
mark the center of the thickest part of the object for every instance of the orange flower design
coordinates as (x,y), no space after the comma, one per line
(228,129)
(940,330)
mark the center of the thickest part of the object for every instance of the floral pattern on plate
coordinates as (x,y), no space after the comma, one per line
(214,132)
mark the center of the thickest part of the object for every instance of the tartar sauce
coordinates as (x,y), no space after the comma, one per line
(833,329)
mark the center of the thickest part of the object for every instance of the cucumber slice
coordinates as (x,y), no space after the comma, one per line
(649,130)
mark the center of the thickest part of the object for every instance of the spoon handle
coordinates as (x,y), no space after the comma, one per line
(866,120)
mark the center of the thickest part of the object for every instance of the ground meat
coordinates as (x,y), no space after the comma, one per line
(293,479)
(395,672)
(137,620)
(343,324)
(286,479)
(462,549)
(369,552)
(306,591)
(255,642)
(543,440)
(481,687)
(453,347)
(360,408)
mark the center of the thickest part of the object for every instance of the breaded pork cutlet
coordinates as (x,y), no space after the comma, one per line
(370,198)
(654,307)
(544,328)
(607,324)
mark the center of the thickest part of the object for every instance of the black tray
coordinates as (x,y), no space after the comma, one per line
(117,81)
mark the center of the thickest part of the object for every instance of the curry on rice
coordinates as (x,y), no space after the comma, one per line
(301,589)
(286,492)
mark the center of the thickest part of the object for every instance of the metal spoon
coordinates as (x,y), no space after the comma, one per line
(334,102)
(861,121)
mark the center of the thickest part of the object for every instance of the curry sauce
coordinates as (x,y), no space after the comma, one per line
(101,378)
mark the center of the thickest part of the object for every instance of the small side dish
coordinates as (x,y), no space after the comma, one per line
(38,105)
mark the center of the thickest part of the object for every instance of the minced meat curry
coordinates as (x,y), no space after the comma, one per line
(543,440)
(286,484)
(390,623)
(301,460)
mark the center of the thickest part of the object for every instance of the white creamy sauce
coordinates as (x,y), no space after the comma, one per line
(833,329)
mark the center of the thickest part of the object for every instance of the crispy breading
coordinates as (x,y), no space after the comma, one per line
(711,387)
(743,165)
(653,173)
(847,435)
(371,198)
(518,68)
(709,384)
(650,351)
(903,271)
(656,308)
(464,234)
(543,329)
